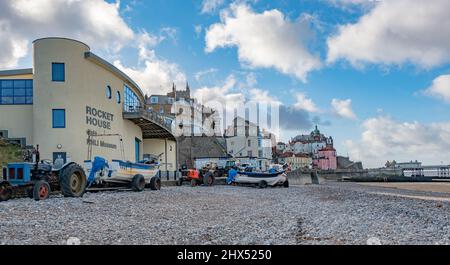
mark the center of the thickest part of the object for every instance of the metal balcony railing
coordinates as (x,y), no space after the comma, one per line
(158,118)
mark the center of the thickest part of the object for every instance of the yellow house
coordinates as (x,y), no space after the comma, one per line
(299,161)
(70,94)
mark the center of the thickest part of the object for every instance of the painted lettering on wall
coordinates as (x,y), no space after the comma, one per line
(99,118)
(94,141)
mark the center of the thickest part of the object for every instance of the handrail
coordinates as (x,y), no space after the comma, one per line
(150,115)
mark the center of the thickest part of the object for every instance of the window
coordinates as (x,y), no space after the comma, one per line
(16,92)
(59,118)
(58,72)
(108,92)
(170,100)
(131,100)
(249,143)
(154,100)
(118,99)
(250,153)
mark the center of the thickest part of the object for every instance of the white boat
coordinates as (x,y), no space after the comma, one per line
(262,179)
(101,172)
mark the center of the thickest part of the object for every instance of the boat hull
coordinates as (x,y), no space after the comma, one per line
(123,172)
(256,178)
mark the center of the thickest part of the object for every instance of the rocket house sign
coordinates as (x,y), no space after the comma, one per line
(101,120)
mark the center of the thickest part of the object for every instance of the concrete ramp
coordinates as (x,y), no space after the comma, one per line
(304,177)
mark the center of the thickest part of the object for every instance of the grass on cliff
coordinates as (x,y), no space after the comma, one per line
(9,153)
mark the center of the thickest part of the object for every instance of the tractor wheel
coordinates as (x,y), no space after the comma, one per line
(41,190)
(72,180)
(138,183)
(286,184)
(179,182)
(155,183)
(208,179)
(262,184)
(5,191)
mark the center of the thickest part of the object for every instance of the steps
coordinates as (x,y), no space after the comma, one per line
(22,142)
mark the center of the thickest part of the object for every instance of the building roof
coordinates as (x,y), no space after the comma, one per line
(27,71)
(100,61)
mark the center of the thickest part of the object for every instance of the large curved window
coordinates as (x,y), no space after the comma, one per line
(131,101)
(118,99)
(108,92)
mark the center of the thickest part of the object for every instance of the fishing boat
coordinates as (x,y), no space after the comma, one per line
(120,173)
(261,179)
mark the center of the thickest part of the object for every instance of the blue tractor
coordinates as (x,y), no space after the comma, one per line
(40,178)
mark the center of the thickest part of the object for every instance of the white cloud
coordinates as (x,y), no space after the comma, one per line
(440,88)
(97,23)
(305,103)
(264,40)
(257,95)
(201,74)
(94,22)
(352,2)
(210,6)
(343,108)
(387,139)
(223,94)
(396,32)
(155,76)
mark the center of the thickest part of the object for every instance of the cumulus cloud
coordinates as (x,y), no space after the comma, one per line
(264,40)
(235,94)
(201,74)
(97,23)
(396,32)
(292,118)
(155,76)
(440,88)
(343,108)
(305,103)
(386,139)
(223,94)
(210,6)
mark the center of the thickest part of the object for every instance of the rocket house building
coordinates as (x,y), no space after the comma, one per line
(71,99)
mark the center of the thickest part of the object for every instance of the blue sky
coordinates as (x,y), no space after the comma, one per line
(378,69)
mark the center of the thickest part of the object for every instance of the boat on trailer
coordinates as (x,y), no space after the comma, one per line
(122,173)
(260,179)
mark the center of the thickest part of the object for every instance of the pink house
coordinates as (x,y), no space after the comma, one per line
(325,159)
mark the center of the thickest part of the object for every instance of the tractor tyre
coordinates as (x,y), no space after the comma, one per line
(5,191)
(155,183)
(73,181)
(208,179)
(262,184)
(138,183)
(286,184)
(41,190)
